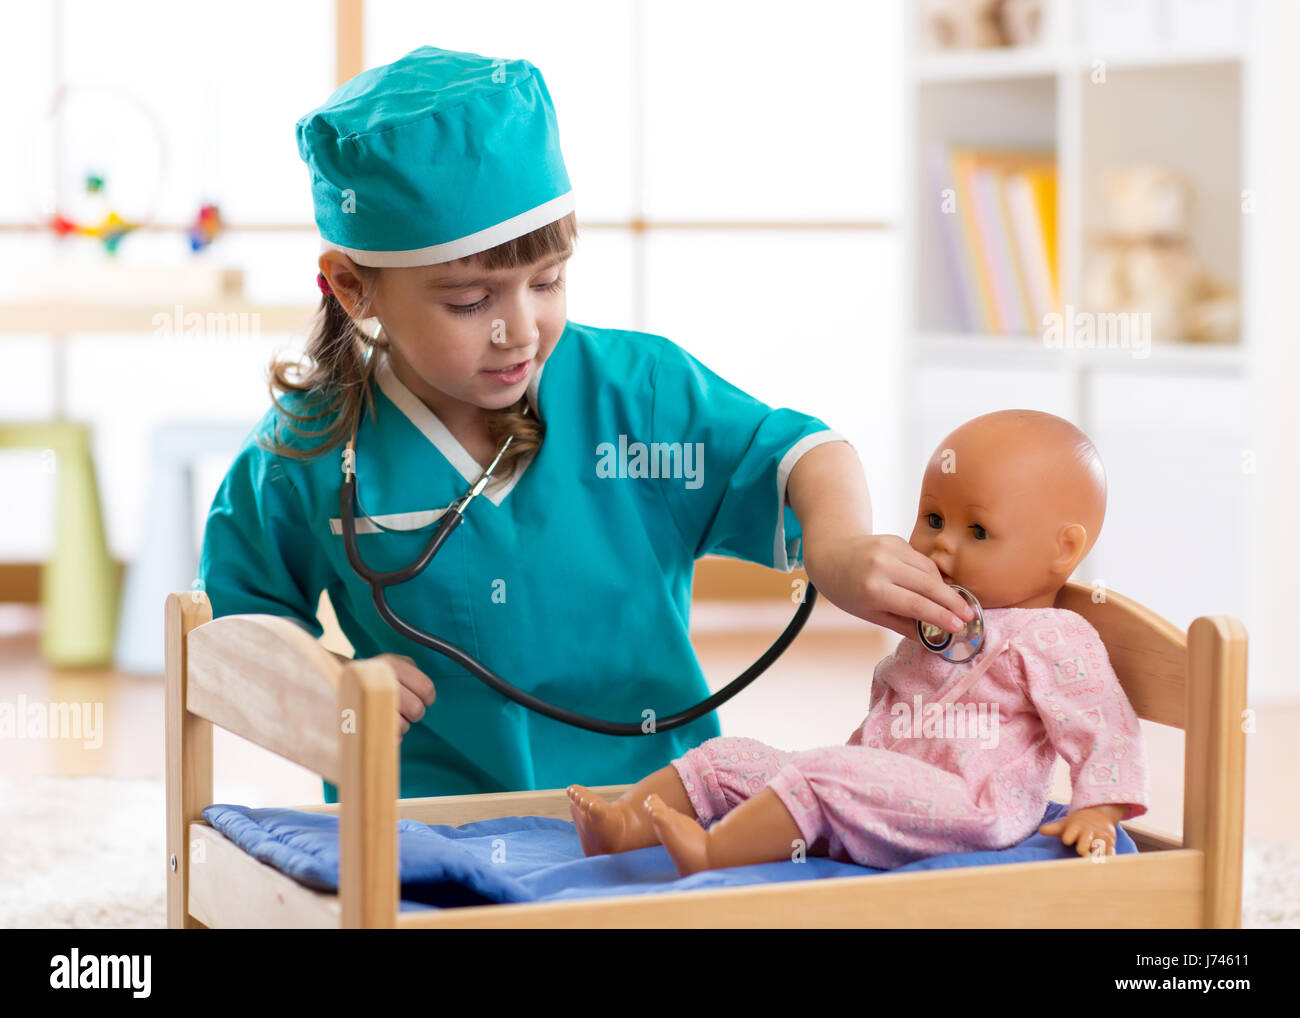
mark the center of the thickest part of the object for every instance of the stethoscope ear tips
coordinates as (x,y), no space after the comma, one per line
(960,646)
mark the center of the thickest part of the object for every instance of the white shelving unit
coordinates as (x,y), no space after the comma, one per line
(1173,428)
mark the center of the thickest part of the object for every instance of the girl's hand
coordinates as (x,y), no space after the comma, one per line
(883,579)
(415,692)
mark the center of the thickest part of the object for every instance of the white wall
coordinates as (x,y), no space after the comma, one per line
(1273,232)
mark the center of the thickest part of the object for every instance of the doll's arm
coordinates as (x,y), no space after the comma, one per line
(1087,716)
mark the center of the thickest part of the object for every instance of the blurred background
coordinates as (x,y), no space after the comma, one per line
(893,215)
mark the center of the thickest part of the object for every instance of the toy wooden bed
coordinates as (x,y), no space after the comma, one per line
(265,679)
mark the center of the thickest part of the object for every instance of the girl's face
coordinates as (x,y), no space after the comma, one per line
(452,328)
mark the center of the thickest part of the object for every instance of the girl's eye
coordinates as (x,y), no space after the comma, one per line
(980,533)
(935,520)
(469,309)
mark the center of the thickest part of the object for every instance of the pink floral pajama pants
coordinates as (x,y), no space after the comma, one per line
(873,807)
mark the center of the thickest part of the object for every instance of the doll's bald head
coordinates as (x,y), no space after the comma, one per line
(1011,503)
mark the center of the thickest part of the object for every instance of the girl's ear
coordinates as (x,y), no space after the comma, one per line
(349,288)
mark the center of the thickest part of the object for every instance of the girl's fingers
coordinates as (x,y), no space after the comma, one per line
(934,590)
(931,581)
(415,692)
(914,559)
(410,677)
(410,706)
(914,606)
(905,628)
(921,576)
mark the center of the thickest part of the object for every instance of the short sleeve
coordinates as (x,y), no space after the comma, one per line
(741,451)
(256,548)
(1088,717)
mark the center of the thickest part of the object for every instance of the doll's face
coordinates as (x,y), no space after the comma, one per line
(995,516)
(451,325)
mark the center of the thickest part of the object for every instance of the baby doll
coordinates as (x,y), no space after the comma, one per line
(1011,502)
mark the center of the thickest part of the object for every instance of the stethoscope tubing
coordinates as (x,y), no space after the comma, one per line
(379,581)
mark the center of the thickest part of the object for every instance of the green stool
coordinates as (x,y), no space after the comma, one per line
(79,583)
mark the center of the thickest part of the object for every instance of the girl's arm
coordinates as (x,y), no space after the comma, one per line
(880,578)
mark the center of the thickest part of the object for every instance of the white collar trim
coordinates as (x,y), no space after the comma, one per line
(436,432)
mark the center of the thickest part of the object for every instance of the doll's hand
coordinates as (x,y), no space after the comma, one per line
(1092,826)
(883,579)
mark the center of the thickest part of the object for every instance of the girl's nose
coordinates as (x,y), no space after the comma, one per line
(519,329)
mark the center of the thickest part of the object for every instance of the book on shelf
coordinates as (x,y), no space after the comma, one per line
(1001,236)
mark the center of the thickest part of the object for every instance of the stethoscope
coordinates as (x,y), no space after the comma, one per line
(450,520)
(961,646)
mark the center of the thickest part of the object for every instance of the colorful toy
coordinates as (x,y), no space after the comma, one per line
(207,226)
(90,161)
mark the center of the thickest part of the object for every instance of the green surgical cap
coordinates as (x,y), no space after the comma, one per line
(434,157)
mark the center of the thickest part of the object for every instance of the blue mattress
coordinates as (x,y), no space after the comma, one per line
(519,859)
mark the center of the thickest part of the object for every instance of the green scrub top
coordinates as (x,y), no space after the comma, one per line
(571,579)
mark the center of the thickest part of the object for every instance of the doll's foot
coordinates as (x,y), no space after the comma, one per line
(602,825)
(686,841)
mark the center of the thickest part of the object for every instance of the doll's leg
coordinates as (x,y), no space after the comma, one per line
(760,829)
(705,783)
(878,808)
(624,824)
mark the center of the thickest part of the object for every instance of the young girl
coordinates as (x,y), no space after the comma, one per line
(446,216)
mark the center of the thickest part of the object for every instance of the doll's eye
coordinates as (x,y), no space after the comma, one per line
(935,521)
(980,533)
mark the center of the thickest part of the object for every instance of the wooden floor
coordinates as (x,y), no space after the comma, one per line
(815,695)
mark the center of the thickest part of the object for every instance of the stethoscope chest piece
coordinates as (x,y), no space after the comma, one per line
(960,646)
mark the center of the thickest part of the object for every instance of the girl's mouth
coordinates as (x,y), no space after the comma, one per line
(512,375)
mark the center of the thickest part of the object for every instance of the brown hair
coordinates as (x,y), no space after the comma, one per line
(341,373)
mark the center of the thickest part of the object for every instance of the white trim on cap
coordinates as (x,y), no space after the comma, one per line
(525,222)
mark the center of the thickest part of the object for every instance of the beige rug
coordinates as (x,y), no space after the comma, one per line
(89,853)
